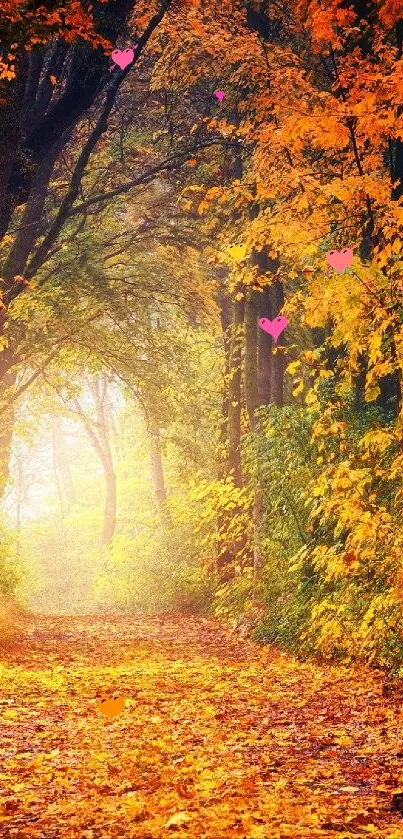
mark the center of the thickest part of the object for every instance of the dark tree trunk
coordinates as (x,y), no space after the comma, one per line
(224,302)
(278,358)
(234,410)
(396,146)
(270,302)
(264,351)
(10,137)
(250,366)
(31,217)
(267,387)
(7,383)
(226,551)
(223,563)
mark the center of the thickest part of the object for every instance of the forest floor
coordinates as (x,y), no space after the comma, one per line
(219,738)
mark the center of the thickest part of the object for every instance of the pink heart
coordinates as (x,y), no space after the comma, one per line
(340,259)
(219,94)
(122,57)
(273,327)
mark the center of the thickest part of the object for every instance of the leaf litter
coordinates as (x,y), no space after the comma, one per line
(220,738)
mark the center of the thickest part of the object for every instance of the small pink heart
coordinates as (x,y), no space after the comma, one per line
(340,259)
(122,57)
(219,94)
(273,327)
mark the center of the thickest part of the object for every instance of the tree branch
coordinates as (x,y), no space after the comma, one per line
(48,361)
(170,162)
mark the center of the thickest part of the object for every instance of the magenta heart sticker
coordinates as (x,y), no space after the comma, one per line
(273,327)
(340,259)
(122,57)
(219,94)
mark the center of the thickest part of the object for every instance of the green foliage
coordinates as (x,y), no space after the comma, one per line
(313,594)
(154,571)
(10,569)
(61,559)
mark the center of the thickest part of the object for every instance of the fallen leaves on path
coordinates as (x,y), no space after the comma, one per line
(219,738)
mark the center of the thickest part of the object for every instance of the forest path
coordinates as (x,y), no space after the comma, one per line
(220,738)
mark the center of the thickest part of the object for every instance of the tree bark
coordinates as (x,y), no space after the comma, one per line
(157,471)
(224,302)
(270,302)
(20,500)
(252,306)
(32,215)
(270,384)
(252,401)
(234,392)
(277,364)
(99,390)
(250,366)
(264,350)
(6,426)
(10,138)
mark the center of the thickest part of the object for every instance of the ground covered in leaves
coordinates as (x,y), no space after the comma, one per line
(220,738)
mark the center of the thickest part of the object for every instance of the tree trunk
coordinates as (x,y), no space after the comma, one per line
(224,302)
(223,563)
(62,467)
(157,470)
(270,364)
(278,364)
(10,136)
(270,378)
(157,466)
(100,442)
(20,499)
(32,215)
(109,527)
(234,392)
(99,390)
(252,400)
(264,350)
(226,551)
(8,377)
(250,374)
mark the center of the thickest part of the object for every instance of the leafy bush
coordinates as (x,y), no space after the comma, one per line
(155,570)
(10,611)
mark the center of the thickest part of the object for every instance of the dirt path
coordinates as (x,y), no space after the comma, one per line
(219,738)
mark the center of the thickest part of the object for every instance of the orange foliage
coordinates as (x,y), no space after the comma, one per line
(219,738)
(29,27)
